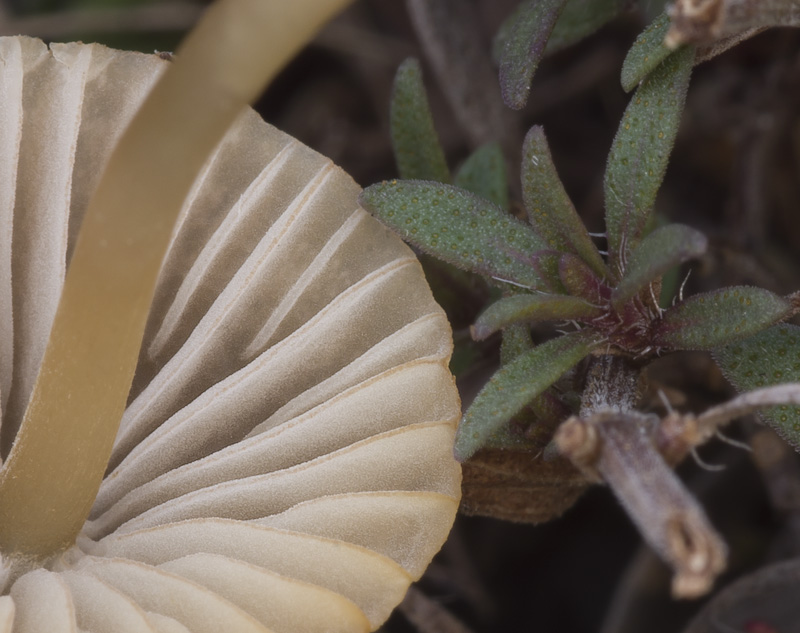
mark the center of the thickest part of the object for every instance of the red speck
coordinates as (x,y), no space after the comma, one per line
(759,626)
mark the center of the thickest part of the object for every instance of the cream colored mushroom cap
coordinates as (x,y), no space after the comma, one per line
(285,461)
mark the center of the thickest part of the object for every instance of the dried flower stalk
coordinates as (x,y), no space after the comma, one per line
(612,442)
(705,21)
(677,434)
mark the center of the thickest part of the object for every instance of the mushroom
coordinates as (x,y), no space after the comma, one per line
(284,458)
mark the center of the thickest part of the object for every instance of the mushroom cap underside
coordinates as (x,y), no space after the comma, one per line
(285,460)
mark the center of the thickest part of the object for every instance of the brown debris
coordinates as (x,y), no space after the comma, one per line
(519,486)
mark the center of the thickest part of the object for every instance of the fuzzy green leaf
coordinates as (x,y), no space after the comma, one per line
(416,146)
(640,152)
(657,253)
(550,209)
(516,340)
(525,35)
(717,318)
(546,264)
(530,309)
(531,428)
(580,280)
(771,357)
(515,385)
(484,173)
(581,18)
(512,436)
(578,19)
(458,227)
(647,52)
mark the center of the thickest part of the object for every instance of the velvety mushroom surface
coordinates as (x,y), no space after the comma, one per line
(285,460)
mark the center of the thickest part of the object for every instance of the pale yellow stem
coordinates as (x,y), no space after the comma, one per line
(52,475)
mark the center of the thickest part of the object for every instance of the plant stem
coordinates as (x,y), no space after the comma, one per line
(613,442)
(51,478)
(703,21)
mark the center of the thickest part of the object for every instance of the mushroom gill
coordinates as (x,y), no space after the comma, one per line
(284,462)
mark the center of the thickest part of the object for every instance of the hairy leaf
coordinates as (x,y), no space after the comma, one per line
(515,385)
(530,309)
(580,280)
(540,418)
(581,18)
(416,145)
(484,173)
(770,357)
(533,427)
(546,264)
(516,340)
(550,209)
(524,35)
(458,227)
(514,434)
(717,318)
(640,152)
(661,250)
(647,52)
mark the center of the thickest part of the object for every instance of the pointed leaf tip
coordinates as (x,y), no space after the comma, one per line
(530,309)
(516,340)
(550,209)
(515,385)
(717,318)
(646,53)
(416,145)
(581,18)
(660,251)
(640,152)
(546,264)
(581,281)
(525,34)
(458,227)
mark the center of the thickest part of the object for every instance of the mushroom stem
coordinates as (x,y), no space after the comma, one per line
(51,478)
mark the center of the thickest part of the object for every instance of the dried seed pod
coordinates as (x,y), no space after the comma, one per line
(285,460)
(707,21)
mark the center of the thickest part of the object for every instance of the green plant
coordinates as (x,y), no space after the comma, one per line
(548,269)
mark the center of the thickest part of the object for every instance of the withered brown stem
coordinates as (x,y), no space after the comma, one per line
(617,444)
(704,21)
(677,434)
